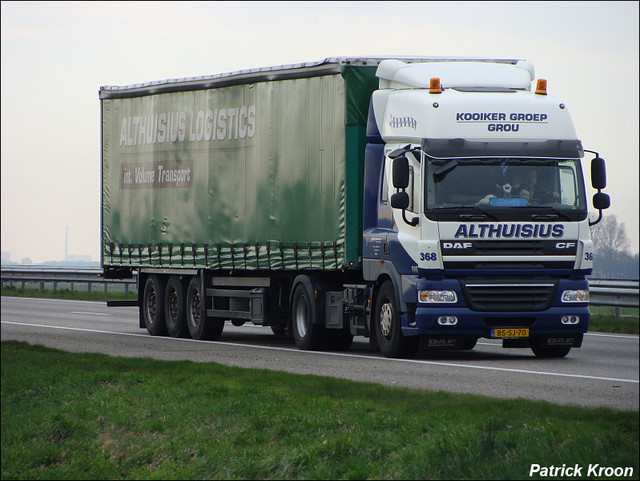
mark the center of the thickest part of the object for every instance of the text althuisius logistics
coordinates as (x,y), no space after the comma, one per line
(223,124)
(233,123)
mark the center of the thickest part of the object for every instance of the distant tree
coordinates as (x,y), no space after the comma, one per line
(612,257)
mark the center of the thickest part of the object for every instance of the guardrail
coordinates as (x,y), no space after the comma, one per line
(603,292)
(613,292)
(62,275)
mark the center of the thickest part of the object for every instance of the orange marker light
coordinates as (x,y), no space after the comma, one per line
(541,88)
(434,86)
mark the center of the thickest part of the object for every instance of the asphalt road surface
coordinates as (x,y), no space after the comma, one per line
(603,372)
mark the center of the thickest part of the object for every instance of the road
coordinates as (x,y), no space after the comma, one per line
(604,372)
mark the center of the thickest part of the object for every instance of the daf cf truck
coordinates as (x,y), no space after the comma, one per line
(422,202)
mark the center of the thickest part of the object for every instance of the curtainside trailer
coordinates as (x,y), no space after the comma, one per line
(421,202)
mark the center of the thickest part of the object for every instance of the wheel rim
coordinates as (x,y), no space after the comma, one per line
(194,310)
(386,319)
(301,317)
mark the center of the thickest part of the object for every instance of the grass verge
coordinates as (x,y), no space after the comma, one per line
(91,416)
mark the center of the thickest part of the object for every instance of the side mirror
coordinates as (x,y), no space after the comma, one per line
(401,172)
(598,173)
(601,201)
(400,200)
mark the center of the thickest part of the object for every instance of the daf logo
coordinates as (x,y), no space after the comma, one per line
(442,342)
(457,245)
(565,245)
(556,341)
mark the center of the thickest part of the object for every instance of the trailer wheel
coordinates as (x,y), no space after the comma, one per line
(153,306)
(307,334)
(200,327)
(388,326)
(175,307)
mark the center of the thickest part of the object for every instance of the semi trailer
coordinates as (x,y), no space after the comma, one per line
(421,202)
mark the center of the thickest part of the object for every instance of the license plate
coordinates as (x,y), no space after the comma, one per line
(512,332)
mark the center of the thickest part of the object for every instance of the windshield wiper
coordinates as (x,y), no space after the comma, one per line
(441,172)
(480,215)
(552,215)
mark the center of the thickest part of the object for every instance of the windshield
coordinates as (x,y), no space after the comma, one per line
(504,187)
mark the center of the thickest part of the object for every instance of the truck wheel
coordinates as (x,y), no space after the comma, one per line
(153,306)
(388,326)
(174,309)
(469,343)
(200,327)
(308,336)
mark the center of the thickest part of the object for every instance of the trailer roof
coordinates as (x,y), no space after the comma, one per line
(328,66)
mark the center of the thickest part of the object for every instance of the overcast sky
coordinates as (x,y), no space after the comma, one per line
(55,57)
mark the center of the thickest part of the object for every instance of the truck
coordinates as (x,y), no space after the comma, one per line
(421,202)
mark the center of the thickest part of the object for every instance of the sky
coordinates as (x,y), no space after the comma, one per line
(55,56)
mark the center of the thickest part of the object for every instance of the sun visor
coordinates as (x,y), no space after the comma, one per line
(457,148)
(396,74)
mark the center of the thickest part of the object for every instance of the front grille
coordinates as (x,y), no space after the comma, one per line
(509,321)
(509,265)
(517,295)
(520,248)
(508,254)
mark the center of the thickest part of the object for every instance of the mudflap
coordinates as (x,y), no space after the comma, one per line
(446,342)
(554,340)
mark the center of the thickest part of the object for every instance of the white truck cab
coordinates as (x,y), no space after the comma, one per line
(482,215)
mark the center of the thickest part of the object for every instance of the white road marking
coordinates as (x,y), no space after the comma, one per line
(90,313)
(354,356)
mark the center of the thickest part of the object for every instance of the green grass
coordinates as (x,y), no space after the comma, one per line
(621,325)
(90,416)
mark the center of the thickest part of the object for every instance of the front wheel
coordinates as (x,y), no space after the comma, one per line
(388,326)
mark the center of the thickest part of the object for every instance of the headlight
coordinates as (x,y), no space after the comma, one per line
(448,297)
(575,296)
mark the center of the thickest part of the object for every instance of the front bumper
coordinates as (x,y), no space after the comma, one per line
(481,324)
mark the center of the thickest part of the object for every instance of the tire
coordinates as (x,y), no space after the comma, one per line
(175,308)
(469,343)
(200,327)
(153,306)
(388,326)
(307,334)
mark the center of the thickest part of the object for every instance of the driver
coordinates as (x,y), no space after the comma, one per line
(531,190)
